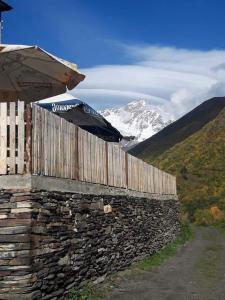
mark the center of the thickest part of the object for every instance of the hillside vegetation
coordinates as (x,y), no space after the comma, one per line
(199,164)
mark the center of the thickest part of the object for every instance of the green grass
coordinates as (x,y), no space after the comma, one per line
(221,226)
(90,292)
(210,262)
(207,267)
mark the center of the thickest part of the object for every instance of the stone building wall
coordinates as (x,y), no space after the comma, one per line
(53,241)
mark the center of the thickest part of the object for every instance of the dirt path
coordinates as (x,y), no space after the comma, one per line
(197,272)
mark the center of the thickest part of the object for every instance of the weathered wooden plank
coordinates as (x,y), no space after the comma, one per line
(12,138)
(41,146)
(34,143)
(106,163)
(21,137)
(3,138)
(81,154)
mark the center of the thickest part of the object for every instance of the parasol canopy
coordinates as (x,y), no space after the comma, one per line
(84,116)
(28,73)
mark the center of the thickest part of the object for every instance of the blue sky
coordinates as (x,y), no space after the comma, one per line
(87,31)
(159,42)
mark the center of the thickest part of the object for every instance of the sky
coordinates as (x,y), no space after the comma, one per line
(168,52)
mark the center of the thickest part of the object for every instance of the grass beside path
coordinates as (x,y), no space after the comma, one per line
(221,226)
(90,292)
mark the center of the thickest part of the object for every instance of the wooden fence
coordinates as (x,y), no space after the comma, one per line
(14,157)
(34,140)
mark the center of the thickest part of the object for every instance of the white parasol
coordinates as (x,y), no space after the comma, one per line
(28,73)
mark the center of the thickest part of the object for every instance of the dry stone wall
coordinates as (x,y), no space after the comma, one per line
(53,241)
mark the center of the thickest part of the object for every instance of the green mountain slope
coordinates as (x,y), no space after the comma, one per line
(199,164)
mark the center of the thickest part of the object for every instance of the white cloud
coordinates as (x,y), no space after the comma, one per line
(174,79)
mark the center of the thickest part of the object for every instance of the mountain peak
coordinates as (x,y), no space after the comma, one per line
(137,118)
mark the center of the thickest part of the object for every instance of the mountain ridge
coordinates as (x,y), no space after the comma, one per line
(179,130)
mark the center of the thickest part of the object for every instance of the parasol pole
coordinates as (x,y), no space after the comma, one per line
(3,7)
(1,27)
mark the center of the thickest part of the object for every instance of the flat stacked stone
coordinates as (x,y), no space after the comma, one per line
(53,241)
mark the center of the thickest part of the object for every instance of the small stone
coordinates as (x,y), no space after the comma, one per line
(3,216)
(64,260)
(99,279)
(21,210)
(50,276)
(60,275)
(107,209)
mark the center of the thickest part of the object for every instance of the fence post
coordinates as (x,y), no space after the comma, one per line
(107,163)
(77,152)
(28,141)
(3,138)
(126,169)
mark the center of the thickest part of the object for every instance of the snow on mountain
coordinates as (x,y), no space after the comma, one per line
(137,118)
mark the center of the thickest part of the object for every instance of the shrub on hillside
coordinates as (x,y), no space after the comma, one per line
(208,216)
(217,213)
(195,204)
(184,172)
(203,217)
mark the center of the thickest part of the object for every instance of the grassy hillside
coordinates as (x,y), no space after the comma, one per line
(179,130)
(199,164)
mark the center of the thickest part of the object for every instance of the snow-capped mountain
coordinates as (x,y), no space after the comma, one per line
(137,118)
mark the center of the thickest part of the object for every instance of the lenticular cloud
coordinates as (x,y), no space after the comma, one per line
(175,80)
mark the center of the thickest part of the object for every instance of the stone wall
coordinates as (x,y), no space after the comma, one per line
(53,241)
